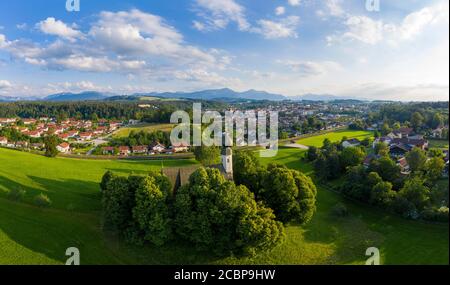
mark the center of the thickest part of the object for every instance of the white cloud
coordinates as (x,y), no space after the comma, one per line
(80,86)
(136,33)
(284,28)
(126,41)
(370,31)
(415,23)
(381,91)
(51,26)
(280,10)
(2,41)
(311,68)
(335,8)
(294,2)
(217,14)
(22,26)
(198,26)
(5,84)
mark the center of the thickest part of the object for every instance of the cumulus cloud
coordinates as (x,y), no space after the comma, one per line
(5,84)
(280,10)
(369,31)
(294,2)
(283,28)
(2,41)
(137,33)
(332,8)
(51,26)
(217,14)
(124,42)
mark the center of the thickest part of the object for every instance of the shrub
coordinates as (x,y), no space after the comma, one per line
(16,194)
(405,208)
(435,214)
(339,210)
(42,201)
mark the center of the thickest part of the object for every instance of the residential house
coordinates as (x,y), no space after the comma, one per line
(3,141)
(6,121)
(37,146)
(72,133)
(21,144)
(34,134)
(368,159)
(106,150)
(64,137)
(114,126)
(420,143)
(86,136)
(180,147)
(139,149)
(100,130)
(401,133)
(29,121)
(351,143)
(404,166)
(157,147)
(124,150)
(437,133)
(63,148)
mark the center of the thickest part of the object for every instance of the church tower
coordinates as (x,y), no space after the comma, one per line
(227,160)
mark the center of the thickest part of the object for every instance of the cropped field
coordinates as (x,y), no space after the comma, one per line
(30,235)
(336,136)
(124,132)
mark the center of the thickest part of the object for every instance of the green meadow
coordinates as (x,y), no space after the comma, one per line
(31,235)
(125,132)
(335,136)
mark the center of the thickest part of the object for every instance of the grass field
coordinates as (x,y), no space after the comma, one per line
(438,143)
(124,132)
(29,235)
(336,136)
(291,157)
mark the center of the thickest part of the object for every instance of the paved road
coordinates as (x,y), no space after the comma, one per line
(97,142)
(296,145)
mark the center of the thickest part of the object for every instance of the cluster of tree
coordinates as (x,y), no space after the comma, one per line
(311,124)
(420,116)
(92,110)
(13,135)
(381,184)
(207,155)
(411,200)
(210,212)
(290,193)
(357,125)
(332,160)
(142,138)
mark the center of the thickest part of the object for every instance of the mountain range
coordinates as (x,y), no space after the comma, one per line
(212,94)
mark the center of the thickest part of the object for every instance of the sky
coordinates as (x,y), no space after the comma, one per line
(399,51)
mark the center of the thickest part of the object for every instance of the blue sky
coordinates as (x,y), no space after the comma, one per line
(291,47)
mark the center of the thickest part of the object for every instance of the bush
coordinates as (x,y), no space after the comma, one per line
(339,210)
(435,214)
(16,194)
(42,201)
(405,208)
